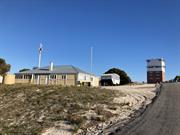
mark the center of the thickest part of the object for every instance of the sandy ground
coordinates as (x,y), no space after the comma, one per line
(135,94)
(60,129)
(134,97)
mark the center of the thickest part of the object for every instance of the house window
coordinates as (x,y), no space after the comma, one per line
(19,76)
(27,77)
(78,83)
(36,76)
(52,76)
(64,77)
(91,78)
(84,77)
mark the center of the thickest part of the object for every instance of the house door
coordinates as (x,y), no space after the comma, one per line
(47,80)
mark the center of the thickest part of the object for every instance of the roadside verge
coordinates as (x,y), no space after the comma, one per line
(123,126)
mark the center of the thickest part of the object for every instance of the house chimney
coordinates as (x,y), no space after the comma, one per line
(51,66)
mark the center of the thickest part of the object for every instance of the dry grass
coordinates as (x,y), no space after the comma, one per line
(29,109)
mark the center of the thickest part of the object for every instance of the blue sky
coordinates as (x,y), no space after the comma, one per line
(123,33)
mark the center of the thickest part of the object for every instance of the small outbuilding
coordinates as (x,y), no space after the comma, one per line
(9,79)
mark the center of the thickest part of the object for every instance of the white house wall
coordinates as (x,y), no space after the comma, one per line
(82,77)
(1,79)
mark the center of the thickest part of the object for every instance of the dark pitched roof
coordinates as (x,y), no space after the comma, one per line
(63,69)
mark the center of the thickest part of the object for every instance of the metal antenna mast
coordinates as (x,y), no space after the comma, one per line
(40,54)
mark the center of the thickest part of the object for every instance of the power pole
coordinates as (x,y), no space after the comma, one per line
(91,59)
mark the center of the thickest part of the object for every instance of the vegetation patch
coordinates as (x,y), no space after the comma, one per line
(30,109)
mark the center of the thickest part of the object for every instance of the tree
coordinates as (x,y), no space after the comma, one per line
(4,68)
(125,79)
(177,79)
(24,69)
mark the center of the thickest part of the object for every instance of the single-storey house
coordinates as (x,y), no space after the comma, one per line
(65,75)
